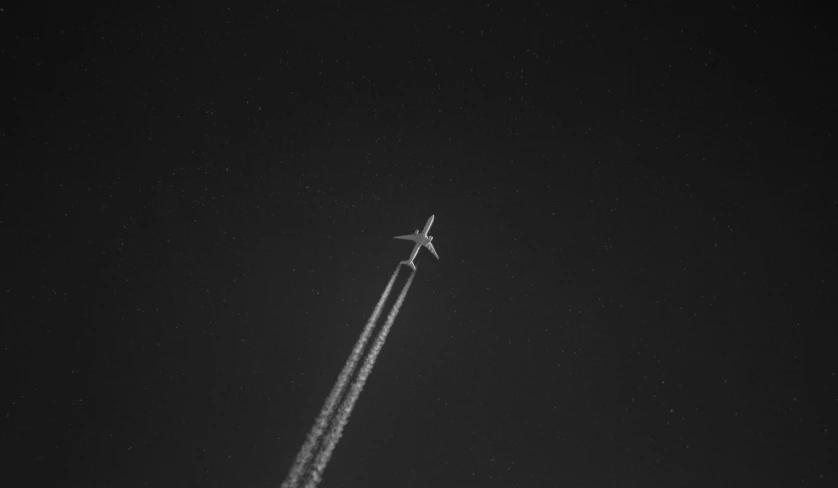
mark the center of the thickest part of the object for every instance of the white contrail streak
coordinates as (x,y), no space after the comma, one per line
(304,456)
(348,404)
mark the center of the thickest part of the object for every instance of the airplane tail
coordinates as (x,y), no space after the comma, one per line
(408,263)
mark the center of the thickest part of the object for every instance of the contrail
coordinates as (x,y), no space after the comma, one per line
(304,456)
(348,404)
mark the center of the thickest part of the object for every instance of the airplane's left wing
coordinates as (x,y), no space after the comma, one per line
(431,248)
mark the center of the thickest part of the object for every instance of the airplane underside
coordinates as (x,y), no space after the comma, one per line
(421,239)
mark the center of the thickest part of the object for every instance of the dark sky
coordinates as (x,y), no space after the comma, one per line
(635,219)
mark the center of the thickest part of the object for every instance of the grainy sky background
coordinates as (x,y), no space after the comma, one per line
(635,215)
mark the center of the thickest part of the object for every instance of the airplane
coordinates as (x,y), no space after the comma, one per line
(421,239)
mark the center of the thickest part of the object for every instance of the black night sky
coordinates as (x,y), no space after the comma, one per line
(635,218)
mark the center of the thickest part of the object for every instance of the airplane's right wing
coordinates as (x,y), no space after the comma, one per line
(431,248)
